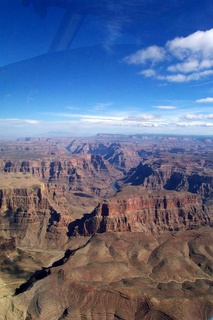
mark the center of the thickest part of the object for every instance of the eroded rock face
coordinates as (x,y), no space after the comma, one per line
(161,175)
(152,212)
(125,276)
(30,215)
(87,173)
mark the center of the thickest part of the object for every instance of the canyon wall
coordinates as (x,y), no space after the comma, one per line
(156,212)
(31,215)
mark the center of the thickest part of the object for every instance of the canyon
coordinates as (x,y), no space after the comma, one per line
(107,227)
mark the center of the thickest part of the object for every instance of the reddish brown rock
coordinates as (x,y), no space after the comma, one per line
(134,209)
(29,214)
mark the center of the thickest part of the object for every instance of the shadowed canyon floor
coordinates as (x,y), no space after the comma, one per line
(111,227)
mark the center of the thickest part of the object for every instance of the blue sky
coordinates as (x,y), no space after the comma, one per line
(144,66)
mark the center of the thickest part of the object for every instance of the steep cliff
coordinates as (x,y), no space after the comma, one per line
(160,174)
(134,209)
(29,214)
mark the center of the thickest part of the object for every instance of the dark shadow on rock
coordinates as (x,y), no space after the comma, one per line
(175,182)
(77,226)
(44,272)
(38,275)
(138,175)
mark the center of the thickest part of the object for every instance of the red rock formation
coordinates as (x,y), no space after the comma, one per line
(30,216)
(150,212)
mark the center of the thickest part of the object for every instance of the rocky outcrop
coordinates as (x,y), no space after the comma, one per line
(31,214)
(151,212)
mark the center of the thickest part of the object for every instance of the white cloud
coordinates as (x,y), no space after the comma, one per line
(152,53)
(17,121)
(205,100)
(165,107)
(185,67)
(174,78)
(191,65)
(179,77)
(171,118)
(146,120)
(72,108)
(31,121)
(100,120)
(148,73)
(182,59)
(206,63)
(199,44)
(145,117)
(194,124)
(169,122)
(198,116)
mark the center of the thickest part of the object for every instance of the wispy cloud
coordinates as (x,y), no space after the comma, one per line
(139,118)
(16,121)
(102,106)
(82,125)
(165,107)
(182,59)
(111,119)
(205,100)
(99,106)
(115,24)
(179,77)
(72,108)
(83,116)
(198,116)
(171,117)
(194,124)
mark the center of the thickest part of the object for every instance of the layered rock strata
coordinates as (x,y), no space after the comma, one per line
(134,209)
(158,176)
(90,174)
(29,214)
